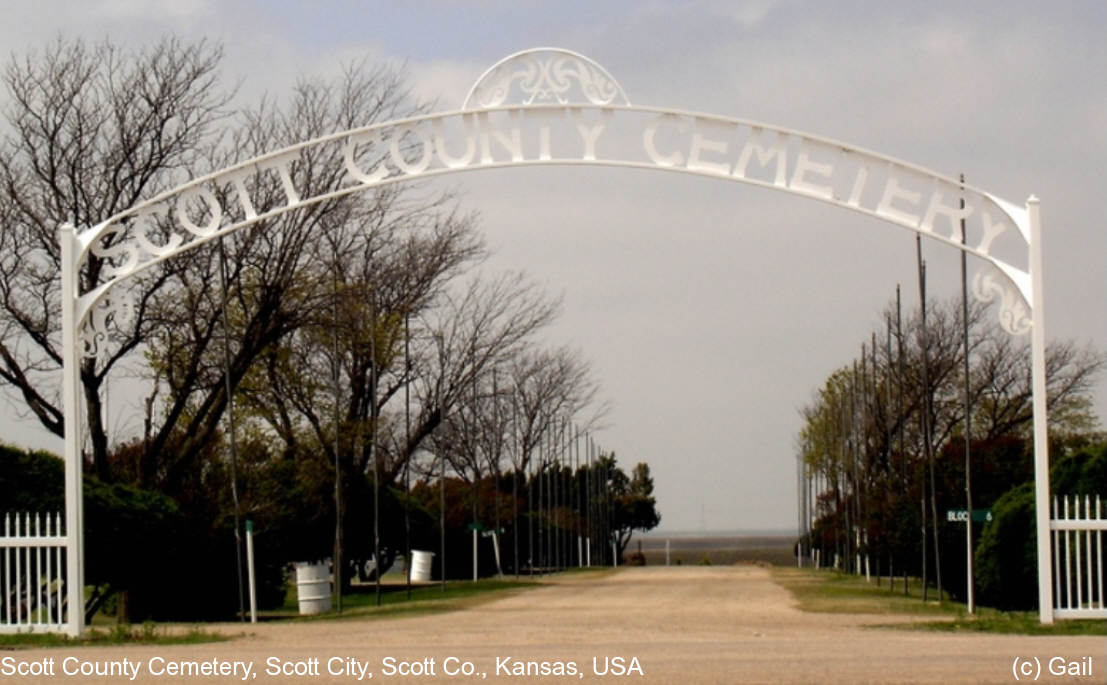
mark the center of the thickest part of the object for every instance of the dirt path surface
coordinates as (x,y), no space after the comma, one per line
(682,625)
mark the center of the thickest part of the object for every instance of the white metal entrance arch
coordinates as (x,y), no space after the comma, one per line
(550,106)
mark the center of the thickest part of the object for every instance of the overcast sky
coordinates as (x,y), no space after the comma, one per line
(710,310)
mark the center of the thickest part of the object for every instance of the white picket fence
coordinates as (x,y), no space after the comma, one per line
(32,574)
(1079,528)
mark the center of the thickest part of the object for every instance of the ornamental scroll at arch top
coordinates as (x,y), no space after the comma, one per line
(995,284)
(545,76)
(555,107)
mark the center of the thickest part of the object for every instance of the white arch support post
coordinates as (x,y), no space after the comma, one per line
(71,401)
(1041,435)
(541,107)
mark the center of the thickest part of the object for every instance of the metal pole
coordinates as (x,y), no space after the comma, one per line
(515,517)
(530,519)
(928,427)
(799,508)
(71,400)
(555,497)
(373,442)
(889,468)
(928,408)
(515,479)
(551,498)
(1038,390)
(578,499)
(337,570)
(601,510)
(923,404)
(498,435)
(559,496)
(588,499)
(476,458)
(230,419)
(900,375)
(860,457)
(250,571)
(609,512)
(442,515)
(540,549)
(407,446)
(968,416)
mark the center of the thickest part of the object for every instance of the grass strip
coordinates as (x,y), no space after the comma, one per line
(122,634)
(827,591)
(357,604)
(1012,623)
(361,602)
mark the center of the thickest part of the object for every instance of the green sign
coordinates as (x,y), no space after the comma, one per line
(961,515)
(476,526)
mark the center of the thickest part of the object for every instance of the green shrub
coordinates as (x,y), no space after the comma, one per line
(1006,558)
(137,542)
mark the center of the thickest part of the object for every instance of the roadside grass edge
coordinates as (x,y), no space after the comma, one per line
(828,591)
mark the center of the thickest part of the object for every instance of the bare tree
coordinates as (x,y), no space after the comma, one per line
(862,437)
(91,130)
(282,273)
(548,386)
(401,278)
(485,325)
(387,274)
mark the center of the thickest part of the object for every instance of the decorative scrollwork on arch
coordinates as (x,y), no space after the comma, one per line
(113,314)
(990,285)
(545,76)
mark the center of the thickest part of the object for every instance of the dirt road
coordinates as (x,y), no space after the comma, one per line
(683,625)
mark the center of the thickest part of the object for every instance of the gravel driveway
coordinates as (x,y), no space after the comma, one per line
(681,625)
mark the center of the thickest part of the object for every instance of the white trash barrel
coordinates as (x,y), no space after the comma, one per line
(421,565)
(313,588)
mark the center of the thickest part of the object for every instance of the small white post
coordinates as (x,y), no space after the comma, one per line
(250,571)
(588,552)
(496,549)
(474,554)
(857,546)
(615,554)
(1038,391)
(71,402)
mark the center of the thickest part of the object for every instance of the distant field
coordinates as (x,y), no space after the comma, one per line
(688,549)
